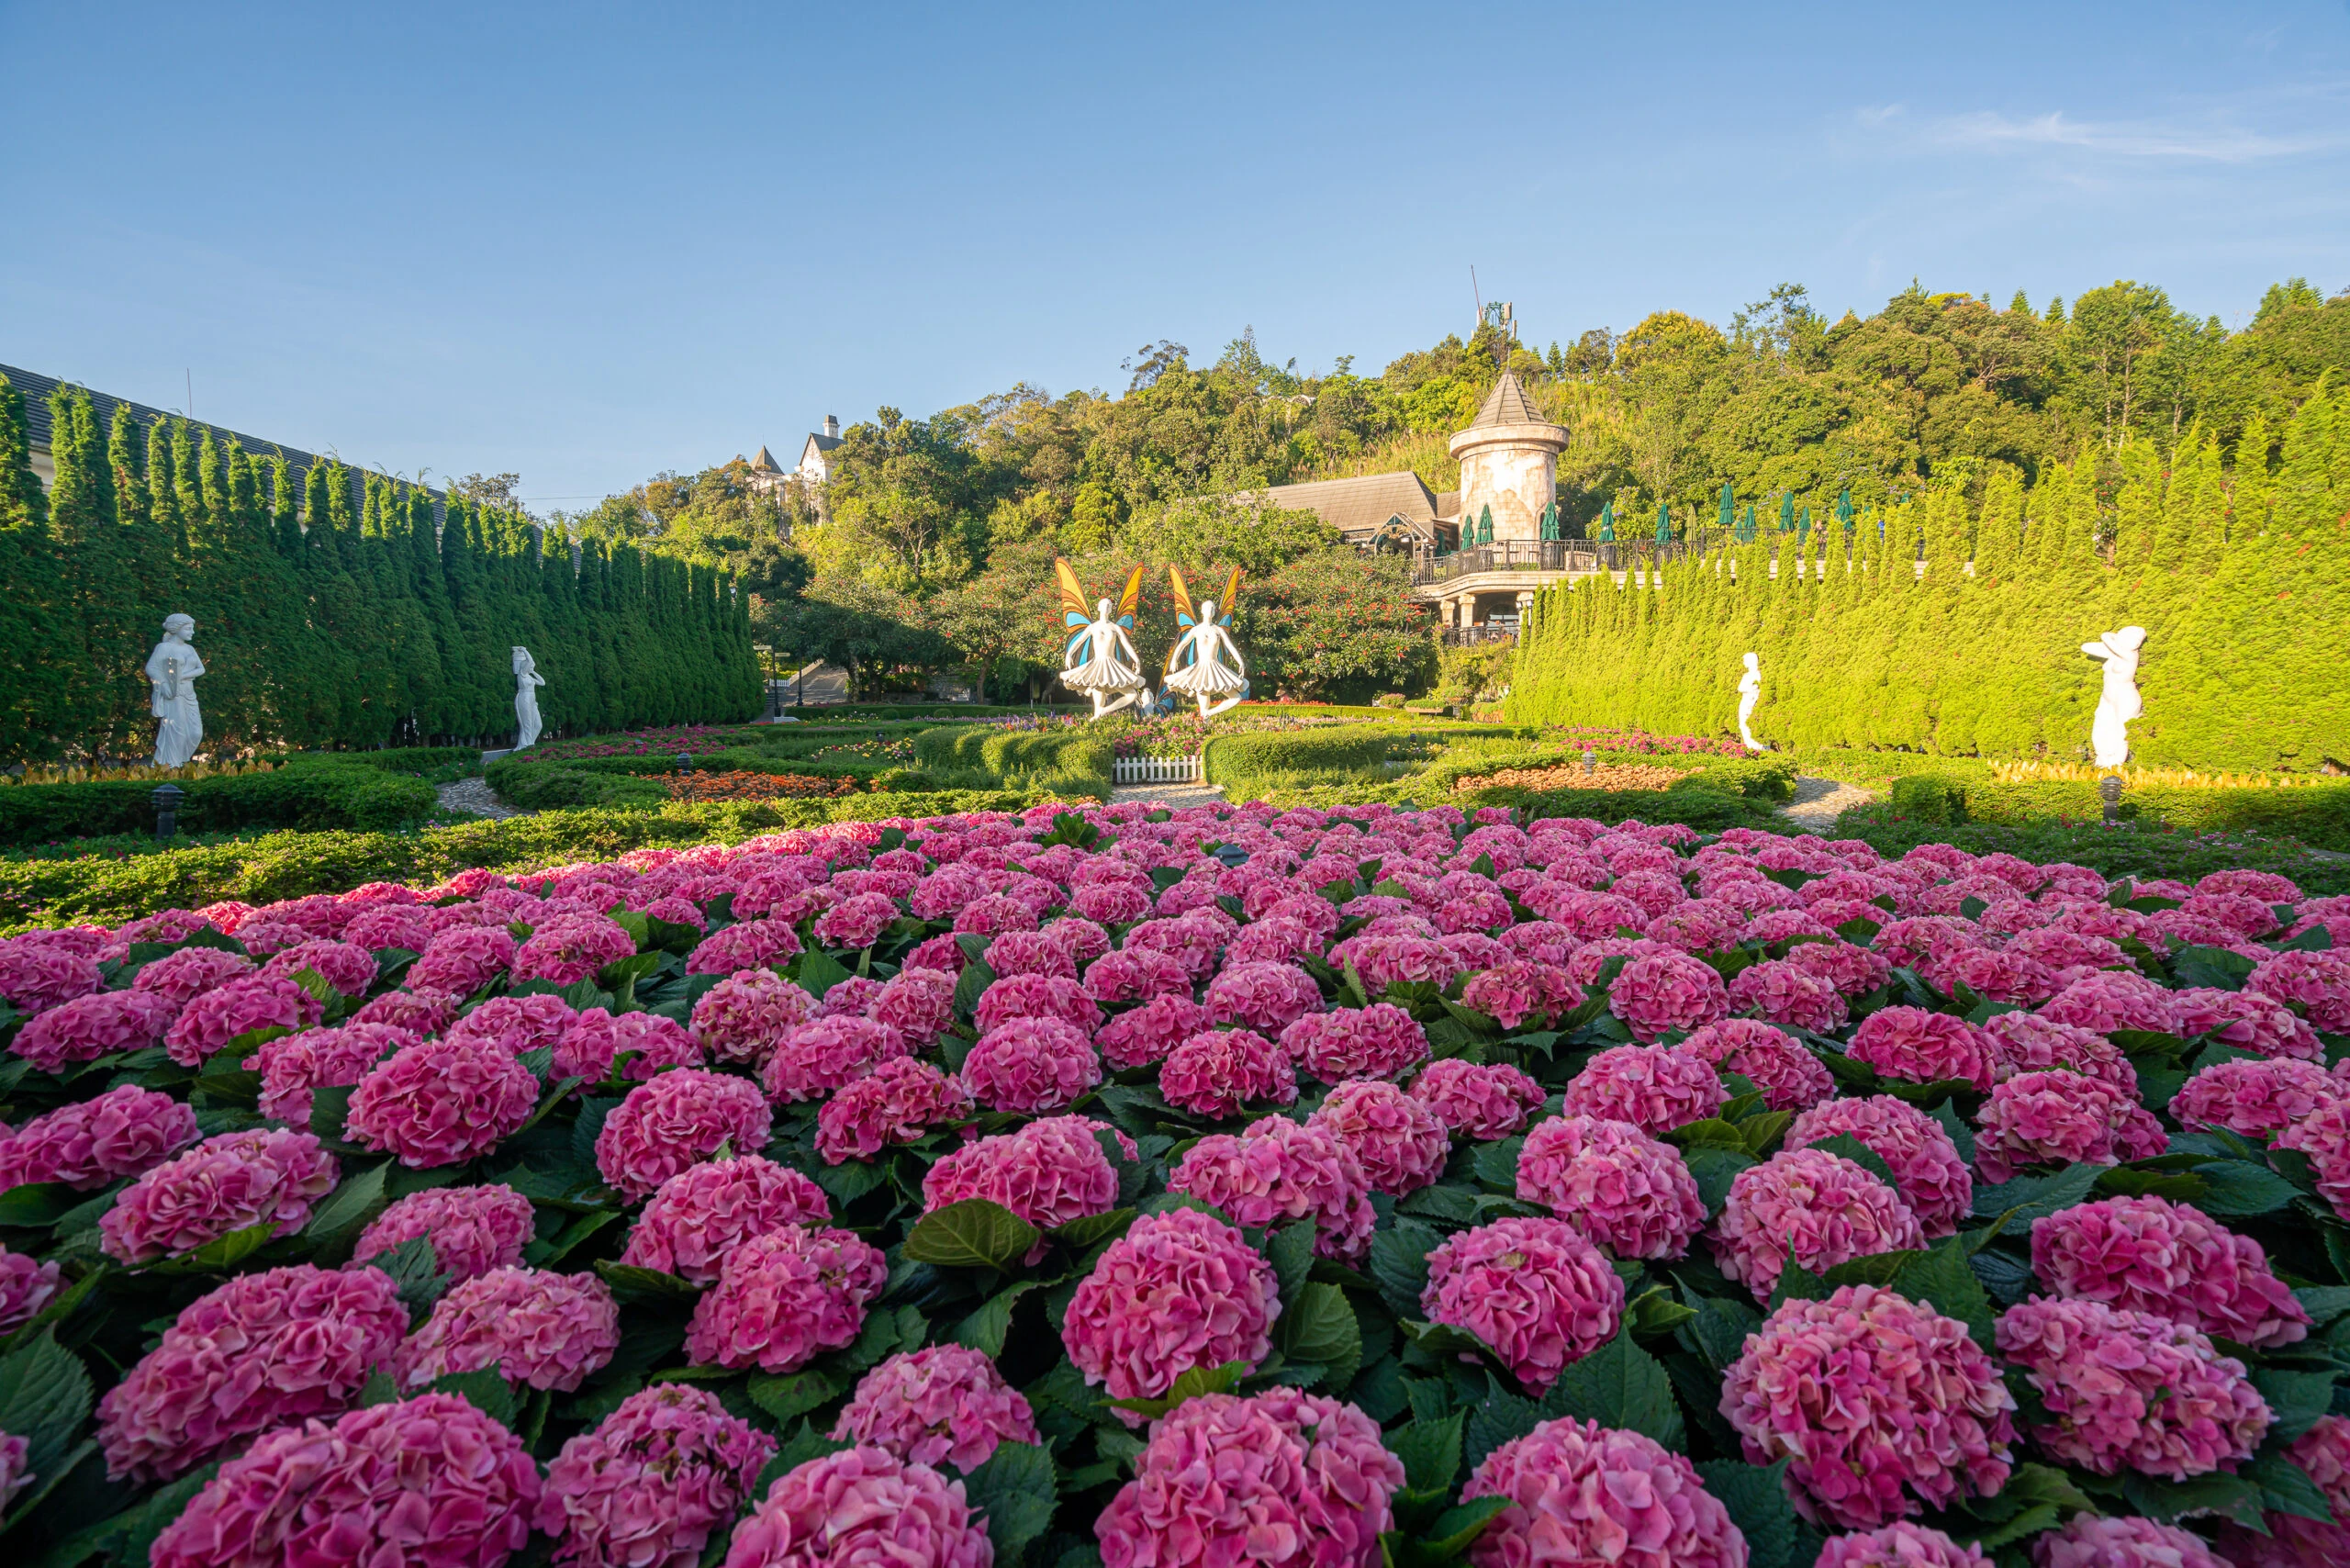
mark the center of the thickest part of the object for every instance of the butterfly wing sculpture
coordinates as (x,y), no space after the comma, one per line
(1098,657)
(1074,619)
(1187,617)
(1130,602)
(1230,600)
(1204,664)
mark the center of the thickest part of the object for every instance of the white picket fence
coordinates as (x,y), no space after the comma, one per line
(1154,769)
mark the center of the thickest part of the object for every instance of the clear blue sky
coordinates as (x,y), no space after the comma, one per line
(591,242)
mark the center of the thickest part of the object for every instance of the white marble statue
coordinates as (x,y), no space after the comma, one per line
(527,681)
(1205,664)
(1750,693)
(2118,702)
(1100,660)
(171,669)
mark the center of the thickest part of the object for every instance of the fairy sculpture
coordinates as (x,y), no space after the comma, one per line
(1205,663)
(1099,659)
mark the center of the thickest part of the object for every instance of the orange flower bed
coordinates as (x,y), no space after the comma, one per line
(744,785)
(1617,776)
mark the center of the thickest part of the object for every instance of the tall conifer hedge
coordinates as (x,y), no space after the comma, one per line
(1956,625)
(333,609)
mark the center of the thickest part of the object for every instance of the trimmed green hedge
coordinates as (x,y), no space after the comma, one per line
(336,789)
(1277,754)
(2317,814)
(2139,849)
(629,783)
(1071,761)
(1766,777)
(39,893)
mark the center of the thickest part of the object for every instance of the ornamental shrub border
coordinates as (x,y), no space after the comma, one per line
(2318,814)
(366,790)
(583,1213)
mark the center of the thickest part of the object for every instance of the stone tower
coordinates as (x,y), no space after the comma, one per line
(1509,461)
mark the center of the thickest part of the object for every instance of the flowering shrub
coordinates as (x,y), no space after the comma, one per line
(810,1192)
(1883,1408)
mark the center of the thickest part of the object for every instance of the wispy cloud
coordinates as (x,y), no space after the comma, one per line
(2206,141)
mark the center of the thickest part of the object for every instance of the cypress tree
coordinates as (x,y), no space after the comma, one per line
(33,697)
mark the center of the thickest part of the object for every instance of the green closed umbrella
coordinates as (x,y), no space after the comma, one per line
(1550,522)
(1844,511)
(1608,523)
(1729,520)
(1746,525)
(1663,522)
(1485,525)
(1787,512)
(1803,523)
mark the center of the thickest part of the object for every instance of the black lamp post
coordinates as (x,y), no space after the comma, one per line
(2109,789)
(167,809)
(685,762)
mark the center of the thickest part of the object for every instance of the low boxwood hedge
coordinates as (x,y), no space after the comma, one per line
(1769,777)
(633,782)
(37,893)
(1294,755)
(1069,761)
(367,791)
(2316,814)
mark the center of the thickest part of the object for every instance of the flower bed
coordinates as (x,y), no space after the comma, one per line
(1571,775)
(1400,1186)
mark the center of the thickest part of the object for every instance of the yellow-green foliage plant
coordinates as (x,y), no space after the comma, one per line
(1951,623)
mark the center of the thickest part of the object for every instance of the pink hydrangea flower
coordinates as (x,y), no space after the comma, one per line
(472,1229)
(2317,984)
(2091,1540)
(2255,1099)
(648,1486)
(592,1046)
(2026,1042)
(206,1025)
(2246,1021)
(1882,1406)
(291,1066)
(862,1506)
(917,1003)
(2324,1136)
(1110,903)
(419,1015)
(1383,961)
(460,961)
(1400,1142)
(518,1024)
(705,1211)
(1994,974)
(1031,1064)
(1790,1077)
(99,1025)
(180,978)
(27,1285)
(1854,971)
(2148,1254)
(354,1491)
(2061,1118)
(261,1176)
(785,1298)
(825,1054)
(897,1102)
(1810,1206)
(1901,1545)
(1478,1101)
(124,1132)
(1230,1480)
(1655,1088)
(2112,1000)
(259,1352)
(946,1403)
(1179,1290)
(856,921)
(1147,1033)
(14,1453)
(567,948)
(747,945)
(537,1327)
(1780,991)
(1621,1188)
(1932,1178)
(1217,1071)
(438,1102)
(1919,1047)
(1535,1290)
(1378,1041)
(1036,996)
(1049,1172)
(1137,974)
(1667,990)
(35,977)
(1518,990)
(2295,1542)
(1276,1171)
(1581,1493)
(680,1118)
(2129,1390)
(1266,997)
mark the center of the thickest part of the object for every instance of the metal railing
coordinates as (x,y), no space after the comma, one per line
(1546,556)
(1485,631)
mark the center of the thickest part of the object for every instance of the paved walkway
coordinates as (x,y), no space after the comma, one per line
(475,798)
(1172,796)
(1818,802)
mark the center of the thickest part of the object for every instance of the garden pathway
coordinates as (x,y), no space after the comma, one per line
(475,798)
(1169,795)
(1819,802)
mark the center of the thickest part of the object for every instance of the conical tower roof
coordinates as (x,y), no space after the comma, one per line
(1507,404)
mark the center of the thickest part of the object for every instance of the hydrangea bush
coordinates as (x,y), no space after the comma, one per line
(1360,1187)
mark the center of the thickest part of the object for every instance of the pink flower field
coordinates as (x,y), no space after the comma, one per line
(1137,1187)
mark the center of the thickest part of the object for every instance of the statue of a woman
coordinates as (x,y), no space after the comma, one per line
(172,670)
(1205,664)
(1750,693)
(2118,702)
(1100,660)
(527,681)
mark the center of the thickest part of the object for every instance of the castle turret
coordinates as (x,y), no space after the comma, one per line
(1509,462)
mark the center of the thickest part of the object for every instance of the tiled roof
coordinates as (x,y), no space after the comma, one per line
(765,462)
(1354,505)
(1507,404)
(36,389)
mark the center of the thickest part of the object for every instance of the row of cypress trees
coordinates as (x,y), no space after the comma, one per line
(334,608)
(2239,570)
